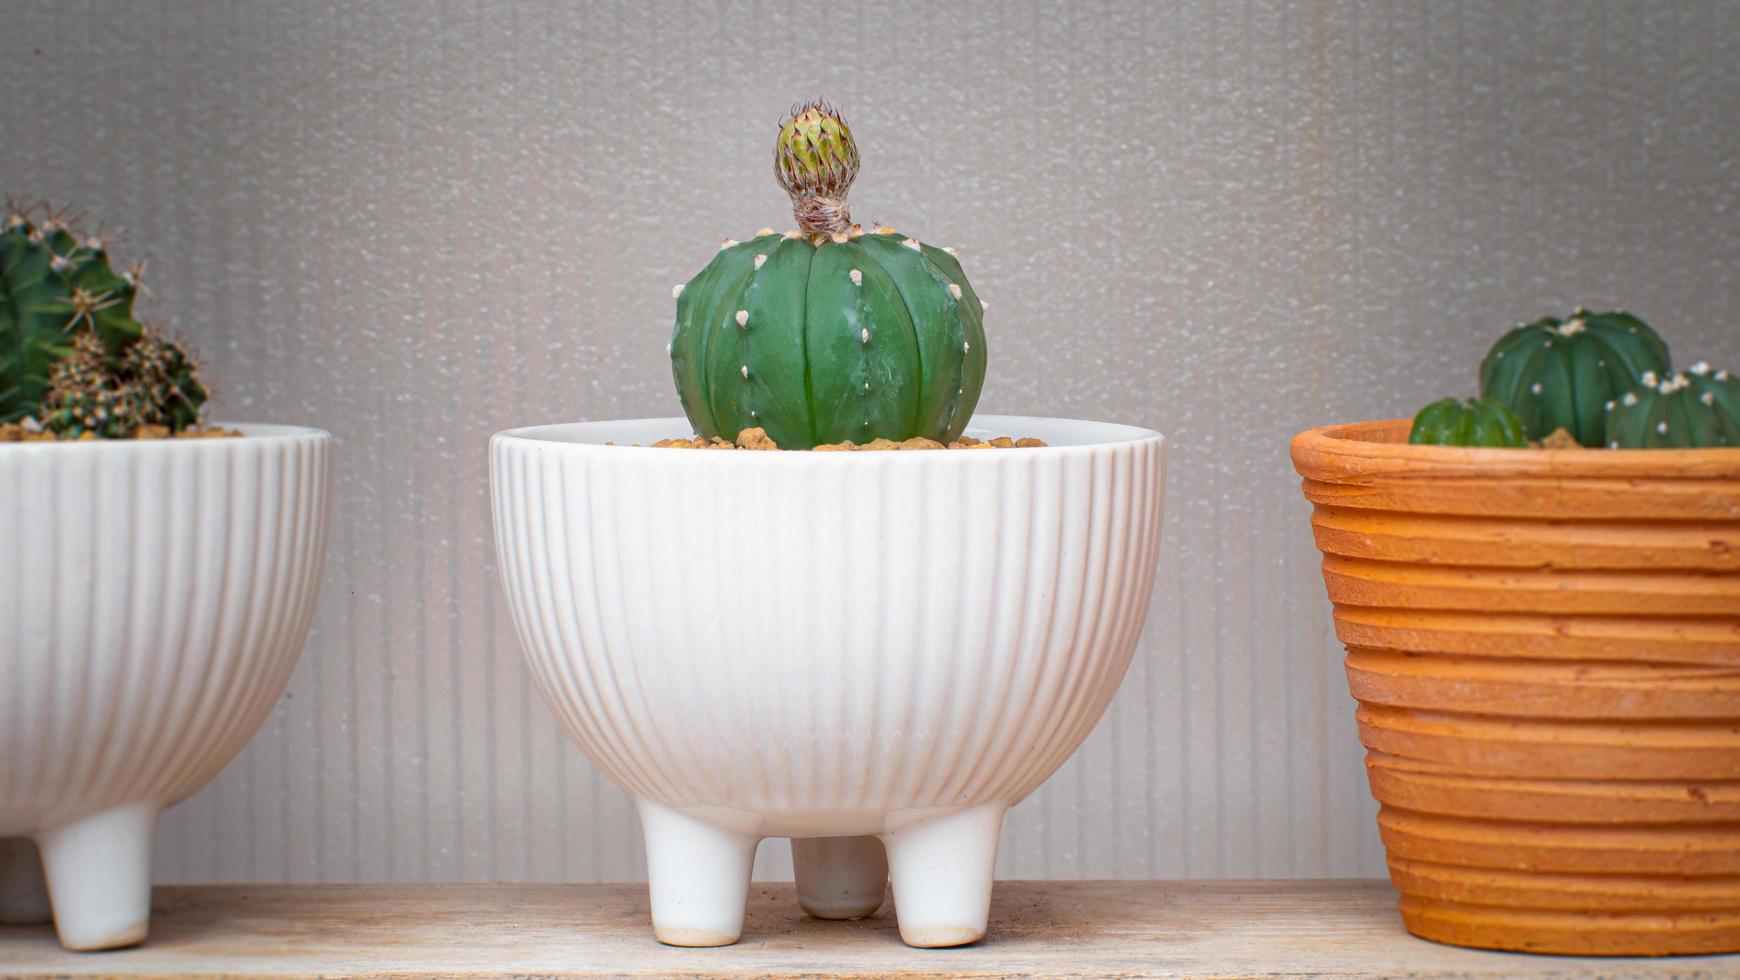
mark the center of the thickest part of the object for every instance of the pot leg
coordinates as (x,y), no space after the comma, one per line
(699,877)
(23,895)
(840,877)
(942,876)
(99,876)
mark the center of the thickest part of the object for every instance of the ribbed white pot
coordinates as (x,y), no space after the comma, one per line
(833,647)
(154,596)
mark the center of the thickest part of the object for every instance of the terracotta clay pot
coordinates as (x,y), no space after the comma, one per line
(1545,647)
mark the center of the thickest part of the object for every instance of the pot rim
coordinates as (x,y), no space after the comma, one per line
(1380,446)
(252,433)
(590,436)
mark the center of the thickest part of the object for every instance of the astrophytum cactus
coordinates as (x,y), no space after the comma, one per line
(828,333)
(1699,409)
(1561,374)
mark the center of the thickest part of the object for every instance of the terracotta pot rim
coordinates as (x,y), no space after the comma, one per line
(1381,446)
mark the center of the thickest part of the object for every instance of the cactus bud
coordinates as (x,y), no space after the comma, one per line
(815,160)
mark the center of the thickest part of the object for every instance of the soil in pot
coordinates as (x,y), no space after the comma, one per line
(757,439)
(17,432)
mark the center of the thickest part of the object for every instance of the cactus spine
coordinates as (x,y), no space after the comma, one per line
(1695,410)
(1561,374)
(1471,422)
(72,356)
(828,333)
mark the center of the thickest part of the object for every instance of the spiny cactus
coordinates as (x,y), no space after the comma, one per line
(828,333)
(163,380)
(72,356)
(1470,422)
(1695,410)
(1561,374)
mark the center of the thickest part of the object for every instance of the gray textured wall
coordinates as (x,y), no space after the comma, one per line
(414,224)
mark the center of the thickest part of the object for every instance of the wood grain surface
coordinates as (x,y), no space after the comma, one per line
(1050,929)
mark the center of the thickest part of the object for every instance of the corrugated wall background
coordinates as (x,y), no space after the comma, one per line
(414,224)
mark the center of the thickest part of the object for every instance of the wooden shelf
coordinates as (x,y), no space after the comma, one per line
(1053,929)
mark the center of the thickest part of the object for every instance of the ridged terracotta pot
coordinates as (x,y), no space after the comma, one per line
(1545,647)
(154,595)
(875,654)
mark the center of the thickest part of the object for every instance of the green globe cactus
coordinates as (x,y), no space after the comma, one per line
(828,333)
(1561,374)
(1696,410)
(72,357)
(1717,389)
(1471,422)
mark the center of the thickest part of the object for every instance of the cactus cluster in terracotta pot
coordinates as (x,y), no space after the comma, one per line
(1594,379)
(1542,644)
(74,363)
(828,333)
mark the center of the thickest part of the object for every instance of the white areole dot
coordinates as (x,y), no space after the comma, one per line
(857,277)
(743,318)
(955,290)
(761,260)
(745,370)
(677,291)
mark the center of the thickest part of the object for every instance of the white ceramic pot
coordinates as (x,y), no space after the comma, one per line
(154,595)
(832,647)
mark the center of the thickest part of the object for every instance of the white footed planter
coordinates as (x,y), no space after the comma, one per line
(154,596)
(832,647)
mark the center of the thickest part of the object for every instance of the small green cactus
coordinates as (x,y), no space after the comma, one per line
(1470,422)
(1561,374)
(1696,410)
(828,333)
(72,357)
